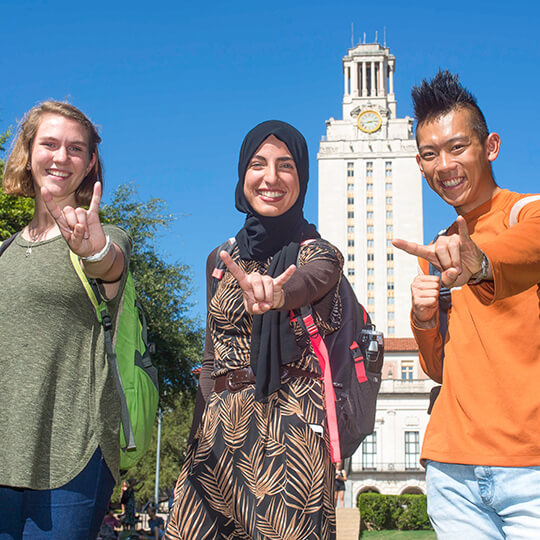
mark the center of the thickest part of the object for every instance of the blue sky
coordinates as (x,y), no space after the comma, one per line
(175,86)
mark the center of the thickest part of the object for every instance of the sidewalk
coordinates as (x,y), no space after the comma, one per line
(348,523)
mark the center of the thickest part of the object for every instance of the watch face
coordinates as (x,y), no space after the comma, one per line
(369,121)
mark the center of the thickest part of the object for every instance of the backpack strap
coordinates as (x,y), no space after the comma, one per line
(307,322)
(92,290)
(6,243)
(219,267)
(445,303)
(445,297)
(516,209)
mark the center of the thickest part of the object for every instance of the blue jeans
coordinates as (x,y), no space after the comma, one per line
(73,511)
(482,502)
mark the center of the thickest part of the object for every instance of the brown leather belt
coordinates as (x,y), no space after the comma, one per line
(237,379)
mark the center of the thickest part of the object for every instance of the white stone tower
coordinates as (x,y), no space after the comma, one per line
(370,188)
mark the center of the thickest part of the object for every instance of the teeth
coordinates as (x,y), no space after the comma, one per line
(451,182)
(271,194)
(60,174)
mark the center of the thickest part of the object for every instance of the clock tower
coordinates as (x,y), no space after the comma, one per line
(370,189)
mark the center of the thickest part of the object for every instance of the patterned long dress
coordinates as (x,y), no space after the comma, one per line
(259,470)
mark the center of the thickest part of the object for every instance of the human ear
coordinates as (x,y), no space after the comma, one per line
(91,163)
(419,161)
(493,146)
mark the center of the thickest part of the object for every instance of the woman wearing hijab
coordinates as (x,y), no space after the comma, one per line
(258,464)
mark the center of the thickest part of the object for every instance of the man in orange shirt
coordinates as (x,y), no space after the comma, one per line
(482,445)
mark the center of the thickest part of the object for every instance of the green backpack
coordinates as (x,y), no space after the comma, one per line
(128,352)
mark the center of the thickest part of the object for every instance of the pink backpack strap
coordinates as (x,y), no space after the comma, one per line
(329,394)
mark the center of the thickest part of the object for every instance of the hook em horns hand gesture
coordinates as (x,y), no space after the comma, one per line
(80,228)
(456,255)
(261,293)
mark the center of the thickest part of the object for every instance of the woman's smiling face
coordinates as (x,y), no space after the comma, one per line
(271,183)
(60,157)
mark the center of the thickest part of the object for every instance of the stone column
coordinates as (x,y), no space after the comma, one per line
(373,80)
(364,80)
(391,79)
(354,79)
(346,77)
(382,79)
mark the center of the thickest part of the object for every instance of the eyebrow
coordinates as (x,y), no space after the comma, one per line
(449,141)
(51,138)
(262,158)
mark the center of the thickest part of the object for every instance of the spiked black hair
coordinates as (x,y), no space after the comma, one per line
(443,94)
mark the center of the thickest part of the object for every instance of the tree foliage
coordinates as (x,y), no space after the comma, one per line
(175,426)
(15,212)
(164,290)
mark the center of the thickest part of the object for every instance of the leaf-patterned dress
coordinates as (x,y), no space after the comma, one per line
(260,470)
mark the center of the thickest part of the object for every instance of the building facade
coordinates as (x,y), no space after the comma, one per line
(388,460)
(370,192)
(370,188)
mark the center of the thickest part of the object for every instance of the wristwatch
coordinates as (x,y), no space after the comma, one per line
(482,274)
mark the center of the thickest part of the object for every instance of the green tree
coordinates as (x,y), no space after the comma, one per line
(164,290)
(175,426)
(15,212)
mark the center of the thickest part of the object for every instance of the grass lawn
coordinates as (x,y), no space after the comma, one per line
(398,535)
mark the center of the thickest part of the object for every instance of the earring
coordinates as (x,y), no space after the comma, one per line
(28,166)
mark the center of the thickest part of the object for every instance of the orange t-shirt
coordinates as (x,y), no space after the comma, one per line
(488,411)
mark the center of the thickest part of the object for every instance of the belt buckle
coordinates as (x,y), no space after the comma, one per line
(230,385)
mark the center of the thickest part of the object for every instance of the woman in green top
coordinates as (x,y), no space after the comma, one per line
(59,425)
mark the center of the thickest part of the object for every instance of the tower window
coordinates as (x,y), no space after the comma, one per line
(388,168)
(369,168)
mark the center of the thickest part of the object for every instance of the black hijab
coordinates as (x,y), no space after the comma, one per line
(272,340)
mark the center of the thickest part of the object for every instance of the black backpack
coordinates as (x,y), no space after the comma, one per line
(354,354)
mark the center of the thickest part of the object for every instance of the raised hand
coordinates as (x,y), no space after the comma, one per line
(456,255)
(425,300)
(80,228)
(261,293)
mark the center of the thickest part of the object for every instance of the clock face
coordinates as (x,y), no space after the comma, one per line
(369,121)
